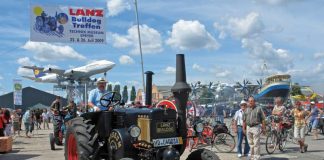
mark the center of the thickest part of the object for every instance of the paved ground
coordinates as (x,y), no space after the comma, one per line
(38,148)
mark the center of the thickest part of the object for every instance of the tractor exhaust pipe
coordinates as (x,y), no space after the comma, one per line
(148,92)
(181,92)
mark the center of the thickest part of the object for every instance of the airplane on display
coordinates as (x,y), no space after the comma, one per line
(65,79)
(83,73)
(80,74)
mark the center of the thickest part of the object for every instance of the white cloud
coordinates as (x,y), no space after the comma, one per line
(224,73)
(319,55)
(191,35)
(121,41)
(170,70)
(220,72)
(1,77)
(51,66)
(25,72)
(249,26)
(49,52)
(249,30)
(150,38)
(124,59)
(198,68)
(117,6)
(25,61)
(278,59)
(319,69)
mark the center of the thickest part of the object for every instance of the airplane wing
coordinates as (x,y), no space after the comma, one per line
(31,78)
(59,72)
(33,67)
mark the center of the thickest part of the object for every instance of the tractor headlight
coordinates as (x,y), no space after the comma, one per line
(199,127)
(134,131)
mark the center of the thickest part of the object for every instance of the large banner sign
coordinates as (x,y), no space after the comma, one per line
(17,92)
(67,24)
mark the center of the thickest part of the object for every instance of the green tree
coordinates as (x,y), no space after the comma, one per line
(295,90)
(133,94)
(125,94)
(117,88)
(109,88)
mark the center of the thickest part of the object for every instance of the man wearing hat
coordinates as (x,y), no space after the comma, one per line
(238,123)
(96,94)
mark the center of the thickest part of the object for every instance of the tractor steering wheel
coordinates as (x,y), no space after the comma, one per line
(110,99)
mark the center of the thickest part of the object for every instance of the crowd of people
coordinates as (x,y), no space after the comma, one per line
(250,123)
(11,121)
(249,120)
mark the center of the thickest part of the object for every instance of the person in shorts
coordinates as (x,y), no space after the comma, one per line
(299,125)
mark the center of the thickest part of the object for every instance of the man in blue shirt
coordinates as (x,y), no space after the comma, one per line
(96,94)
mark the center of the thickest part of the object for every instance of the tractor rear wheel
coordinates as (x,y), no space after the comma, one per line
(80,140)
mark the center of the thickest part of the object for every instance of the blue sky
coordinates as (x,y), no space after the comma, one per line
(223,40)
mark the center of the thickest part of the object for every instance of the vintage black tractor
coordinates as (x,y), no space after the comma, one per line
(137,133)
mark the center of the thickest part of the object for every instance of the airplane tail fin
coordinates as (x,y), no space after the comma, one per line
(38,72)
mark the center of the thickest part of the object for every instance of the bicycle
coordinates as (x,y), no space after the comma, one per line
(222,140)
(278,135)
(205,136)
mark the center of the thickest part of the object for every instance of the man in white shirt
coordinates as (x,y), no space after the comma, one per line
(238,123)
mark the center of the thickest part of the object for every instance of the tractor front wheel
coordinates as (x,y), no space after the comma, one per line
(80,140)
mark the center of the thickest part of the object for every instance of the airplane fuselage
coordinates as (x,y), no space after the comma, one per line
(89,70)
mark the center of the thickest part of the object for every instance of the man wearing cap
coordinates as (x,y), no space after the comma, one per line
(253,118)
(238,123)
(96,94)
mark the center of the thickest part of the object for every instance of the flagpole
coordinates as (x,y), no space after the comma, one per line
(140,44)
